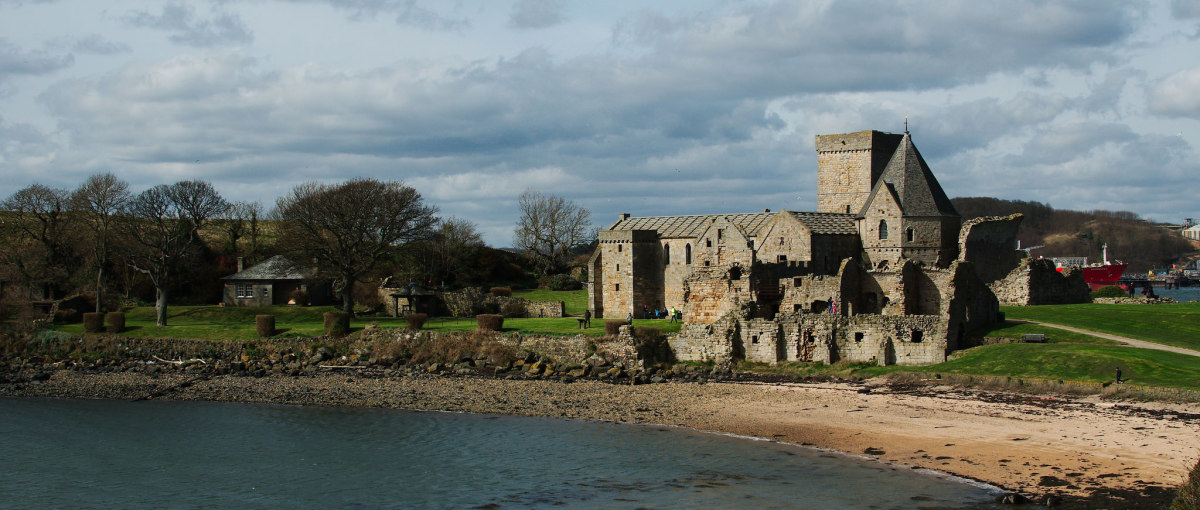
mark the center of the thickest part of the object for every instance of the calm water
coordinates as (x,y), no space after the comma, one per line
(1181,294)
(112,454)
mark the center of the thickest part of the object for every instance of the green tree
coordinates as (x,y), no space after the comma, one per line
(346,229)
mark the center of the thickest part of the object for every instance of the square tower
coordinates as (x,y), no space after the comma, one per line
(848,165)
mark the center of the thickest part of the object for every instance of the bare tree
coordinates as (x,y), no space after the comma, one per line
(239,220)
(40,235)
(549,228)
(164,222)
(98,200)
(346,229)
(447,256)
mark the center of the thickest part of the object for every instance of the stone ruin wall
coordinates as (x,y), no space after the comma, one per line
(990,244)
(549,309)
(710,295)
(1038,282)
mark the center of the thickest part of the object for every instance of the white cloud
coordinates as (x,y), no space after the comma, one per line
(179,19)
(1178,95)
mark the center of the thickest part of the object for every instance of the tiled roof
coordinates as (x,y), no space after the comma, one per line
(274,268)
(914,184)
(751,223)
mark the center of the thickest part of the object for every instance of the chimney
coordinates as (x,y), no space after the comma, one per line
(241,263)
(622,216)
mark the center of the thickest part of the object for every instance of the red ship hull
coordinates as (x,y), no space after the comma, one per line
(1101,276)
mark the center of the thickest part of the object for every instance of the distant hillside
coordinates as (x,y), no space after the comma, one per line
(1131,239)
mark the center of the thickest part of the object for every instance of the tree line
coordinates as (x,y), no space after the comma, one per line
(178,240)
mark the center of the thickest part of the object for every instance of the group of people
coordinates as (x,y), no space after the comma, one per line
(674,314)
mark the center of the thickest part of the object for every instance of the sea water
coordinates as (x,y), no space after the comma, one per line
(61,453)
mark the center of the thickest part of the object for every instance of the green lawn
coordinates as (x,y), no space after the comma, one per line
(237,323)
(574,301)
(1011,329)
(1170,324)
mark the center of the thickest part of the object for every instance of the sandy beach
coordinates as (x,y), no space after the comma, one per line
(1077,451)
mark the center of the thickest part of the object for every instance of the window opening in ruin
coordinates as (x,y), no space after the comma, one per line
(618,247)
(917,336)
(883,234)
(708,242)
(687,253)
(858,336)
(616,286)
(909,234)
(618,267)
(735,272)
(847,209)
(666,254)
(781,258)
(797,282)
(706,263)
(754,339)
(796,307)
(720,234)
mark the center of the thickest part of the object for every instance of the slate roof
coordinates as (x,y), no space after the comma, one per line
(274,268)
(691,226)
(909,178)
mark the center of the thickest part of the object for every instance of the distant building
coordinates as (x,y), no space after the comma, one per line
(1192,232)
(875,275)
(276,281)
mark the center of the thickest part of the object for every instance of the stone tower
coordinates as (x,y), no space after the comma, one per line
(848,166)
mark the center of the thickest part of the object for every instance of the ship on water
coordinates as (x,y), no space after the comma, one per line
(1097,274)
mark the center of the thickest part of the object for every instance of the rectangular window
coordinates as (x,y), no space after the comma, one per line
(720,234)
(266,292)
(244,290)
(616,286)
(754,339)
(917,336)
(858,336)
(781,258)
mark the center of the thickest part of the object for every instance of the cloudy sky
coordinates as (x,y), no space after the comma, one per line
(652,108)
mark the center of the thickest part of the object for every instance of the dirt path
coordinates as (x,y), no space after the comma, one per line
(1132,342)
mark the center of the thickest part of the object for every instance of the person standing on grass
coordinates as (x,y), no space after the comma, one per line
(1119,375)
(587,318)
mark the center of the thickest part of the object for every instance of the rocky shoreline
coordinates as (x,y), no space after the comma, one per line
(1044,448)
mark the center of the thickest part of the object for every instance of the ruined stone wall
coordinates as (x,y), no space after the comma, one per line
(784,240)
(619,350)
(647,270)
(1037,282)
(676,269)
(928,289)
(932,241)
(809,294)
(705,342)
(761,341)
(545,309)
(828,251)
(990,244)
(722,243)
(710,294)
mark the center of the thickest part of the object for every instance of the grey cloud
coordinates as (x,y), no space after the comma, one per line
(531,14)
(16,61)
(1176,95)
(1185,9)
(427,15)
(99,45)
(1060,144)
(186,28)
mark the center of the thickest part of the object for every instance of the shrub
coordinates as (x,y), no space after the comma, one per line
(502,291)
(490,321)
(613,327)
(367,296)
(1189,492)
(299,297)
(491,308)
(1109,291)
(93,322)
(115,322)
(337,323)
(415,320)
(513,309)
(563,282)
(264,325)
(65,315)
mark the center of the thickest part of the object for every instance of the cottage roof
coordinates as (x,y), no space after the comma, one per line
(913,183)
(691,226)
(274,268)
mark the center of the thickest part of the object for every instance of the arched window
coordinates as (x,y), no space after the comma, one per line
(687,253)
(883,229)
(909,234)
(666,254)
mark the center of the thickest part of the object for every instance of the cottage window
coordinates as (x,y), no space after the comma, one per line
(883,229)
(244,290)
(266,292)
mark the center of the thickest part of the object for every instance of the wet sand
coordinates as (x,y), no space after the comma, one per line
(1080,452)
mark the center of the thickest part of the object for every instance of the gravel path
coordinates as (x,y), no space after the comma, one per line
(1132,342)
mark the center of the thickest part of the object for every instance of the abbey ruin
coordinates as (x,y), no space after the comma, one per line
(884,271)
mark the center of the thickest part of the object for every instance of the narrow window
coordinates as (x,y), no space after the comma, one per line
(917,336)
(616,286)
(708,242)
(666,254)
(720,234)
(909,234)
(618,247)
(754,339)
(266,292)
(618,267)
(883,229)
(750,244)
(706,263)
(781,258)
(858,336)
(687,253)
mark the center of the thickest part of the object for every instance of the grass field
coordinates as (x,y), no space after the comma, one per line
(1169,324)
(574,301)
(1012,329)
(237,323)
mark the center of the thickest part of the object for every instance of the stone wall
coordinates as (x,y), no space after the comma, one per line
(545,309)
(1038,282)
(618,350)
(710,294)
(848,166)
(990,244)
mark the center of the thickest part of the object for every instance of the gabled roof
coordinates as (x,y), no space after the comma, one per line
(274,268)
(692,226)
(913,183)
